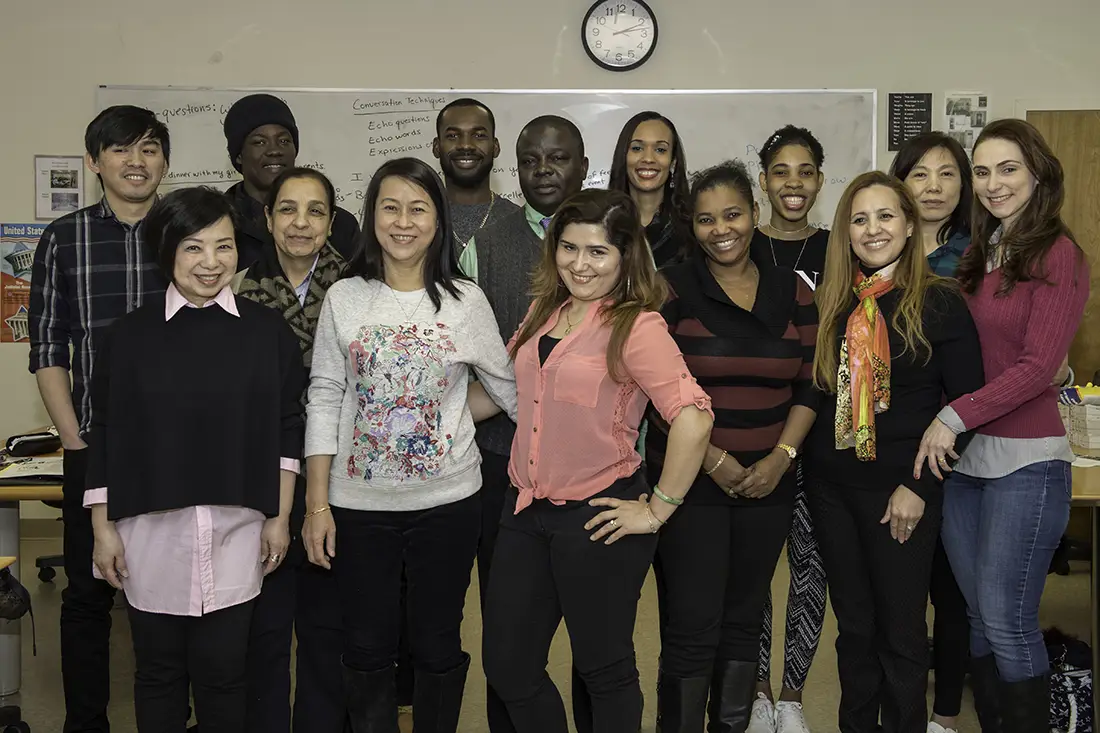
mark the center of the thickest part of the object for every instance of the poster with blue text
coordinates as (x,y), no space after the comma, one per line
(17,245)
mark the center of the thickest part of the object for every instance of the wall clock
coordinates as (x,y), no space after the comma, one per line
(619,35)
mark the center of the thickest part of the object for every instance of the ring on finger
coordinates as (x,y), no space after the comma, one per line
(614,522)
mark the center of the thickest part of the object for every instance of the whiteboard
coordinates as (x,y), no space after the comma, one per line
(348,133)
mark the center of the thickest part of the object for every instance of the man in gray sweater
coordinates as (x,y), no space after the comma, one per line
(552,167)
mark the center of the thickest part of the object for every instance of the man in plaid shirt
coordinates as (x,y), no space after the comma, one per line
(90,268)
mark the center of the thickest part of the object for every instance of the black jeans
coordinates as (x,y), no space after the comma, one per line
(435,548)
(206,654)
(717,564)
(879,591)
(299,598)
(85,612)
(546,567)
(950,636)
(495,485)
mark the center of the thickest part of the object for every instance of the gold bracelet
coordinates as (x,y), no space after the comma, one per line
(322,510)
(665,497)
(716,465)
(651,518)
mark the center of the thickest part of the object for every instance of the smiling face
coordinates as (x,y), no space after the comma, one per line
(649,156)
(268,151)
(1002,181)
(877,227)
(588,264)
(724,220)
(130,173)
(405,221)
(792,182)
(551,166)
(936,185)
(205,262)
(302,220)
(465,146)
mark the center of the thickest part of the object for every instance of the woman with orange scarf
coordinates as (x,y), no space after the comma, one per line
(893,340)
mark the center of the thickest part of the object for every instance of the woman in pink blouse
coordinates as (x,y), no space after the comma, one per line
(191,465)
(592,352)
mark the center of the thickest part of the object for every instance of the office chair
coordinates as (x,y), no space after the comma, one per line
(47,564)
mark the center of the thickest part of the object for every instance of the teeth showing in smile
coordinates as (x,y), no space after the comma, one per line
(134,177)
(581,279)
(876,244)
(274,166)
(402,238)
(647,173)
(208,279)
(794,202)
(725,245)
(997,200)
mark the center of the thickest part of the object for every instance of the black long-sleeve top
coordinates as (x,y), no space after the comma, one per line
(195,410)
(917,392)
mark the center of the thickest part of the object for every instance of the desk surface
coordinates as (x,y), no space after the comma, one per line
(6,562)
(1086,486)
(33,492)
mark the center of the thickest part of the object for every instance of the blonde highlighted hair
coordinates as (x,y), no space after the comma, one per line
(638,290)
(835,300)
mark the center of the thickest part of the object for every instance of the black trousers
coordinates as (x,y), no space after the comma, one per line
(950,636)
(717,564)
(435,548)
(85,612)
(299,599)
(879,591)
(495,485)
(545,568)
(203,654)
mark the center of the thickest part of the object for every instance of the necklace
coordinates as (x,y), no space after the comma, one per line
(796,231)
(458,240)
(771,245)
(569,325)
(408,316)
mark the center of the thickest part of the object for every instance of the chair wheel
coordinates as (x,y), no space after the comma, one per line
(46,575)
(19,727)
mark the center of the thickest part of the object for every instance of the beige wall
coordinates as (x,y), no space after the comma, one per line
(53,54)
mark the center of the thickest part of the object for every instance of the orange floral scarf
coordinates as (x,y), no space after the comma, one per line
(863,376)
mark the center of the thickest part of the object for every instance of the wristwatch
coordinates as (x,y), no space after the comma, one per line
(790,450)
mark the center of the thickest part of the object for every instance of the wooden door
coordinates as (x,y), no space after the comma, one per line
(1075,137)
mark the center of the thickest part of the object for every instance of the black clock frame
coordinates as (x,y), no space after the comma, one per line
(609,67)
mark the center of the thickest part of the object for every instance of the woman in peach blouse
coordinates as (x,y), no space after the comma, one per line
(579,528)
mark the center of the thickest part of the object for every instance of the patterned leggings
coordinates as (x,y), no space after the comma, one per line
(805,603)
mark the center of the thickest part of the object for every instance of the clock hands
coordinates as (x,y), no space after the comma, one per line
(634,27)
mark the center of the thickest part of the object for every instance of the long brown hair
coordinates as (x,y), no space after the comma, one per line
(639,289)
(912,278)
(1040,223)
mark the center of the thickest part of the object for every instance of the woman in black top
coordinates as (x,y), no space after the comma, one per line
(747,335)
(790,175)
(648,164)
(894,340)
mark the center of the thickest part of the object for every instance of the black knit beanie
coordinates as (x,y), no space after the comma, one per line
(248,113)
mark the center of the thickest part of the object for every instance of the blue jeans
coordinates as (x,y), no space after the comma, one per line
(1000,535)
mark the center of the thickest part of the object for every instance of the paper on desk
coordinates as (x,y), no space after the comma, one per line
(33,469)
(1082,462)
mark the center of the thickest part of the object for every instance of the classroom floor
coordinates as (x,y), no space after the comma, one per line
(1065,604)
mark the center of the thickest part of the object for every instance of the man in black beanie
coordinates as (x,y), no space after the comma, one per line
(262,139)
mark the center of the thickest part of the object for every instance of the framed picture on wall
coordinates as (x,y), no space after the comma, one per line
(58,185)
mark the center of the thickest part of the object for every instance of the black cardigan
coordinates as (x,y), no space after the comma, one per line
(194,411)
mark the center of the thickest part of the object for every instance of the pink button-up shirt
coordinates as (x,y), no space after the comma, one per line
(196,560)
(576,427)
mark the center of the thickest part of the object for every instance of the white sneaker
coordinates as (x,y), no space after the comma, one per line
(934,727)
(789,718)
(762,719)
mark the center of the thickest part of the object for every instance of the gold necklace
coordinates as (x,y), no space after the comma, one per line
(569,325)
(462,245)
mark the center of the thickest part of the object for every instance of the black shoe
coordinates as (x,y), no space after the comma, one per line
(731,693)
(985,682)
(682,703)
(372,700)
(1025,706)
(437,699)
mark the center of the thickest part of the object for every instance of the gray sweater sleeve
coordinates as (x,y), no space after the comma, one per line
(491,362)
(327,384)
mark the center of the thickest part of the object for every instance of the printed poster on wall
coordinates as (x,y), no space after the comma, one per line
(965,114)
(17,245)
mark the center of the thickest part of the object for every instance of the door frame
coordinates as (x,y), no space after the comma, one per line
(1074,103)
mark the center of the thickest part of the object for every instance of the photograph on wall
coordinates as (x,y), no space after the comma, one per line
(58,185)
(965,114)
(17,245)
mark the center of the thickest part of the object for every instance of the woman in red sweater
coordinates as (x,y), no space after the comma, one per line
(1007,501)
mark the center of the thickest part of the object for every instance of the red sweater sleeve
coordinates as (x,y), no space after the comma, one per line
(1055,312)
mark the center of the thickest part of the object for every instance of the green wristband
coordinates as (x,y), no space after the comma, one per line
(665,497)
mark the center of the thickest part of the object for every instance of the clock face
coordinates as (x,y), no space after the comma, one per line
(619,35)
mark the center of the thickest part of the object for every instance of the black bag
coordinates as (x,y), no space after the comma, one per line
(1070,682)
(15,602)
(34,444)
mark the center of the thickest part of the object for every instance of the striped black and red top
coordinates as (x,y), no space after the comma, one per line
(755,365)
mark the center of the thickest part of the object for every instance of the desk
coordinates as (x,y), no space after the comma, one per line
(1086,493)
(11,649)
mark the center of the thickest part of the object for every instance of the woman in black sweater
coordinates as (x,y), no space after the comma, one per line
(893,340)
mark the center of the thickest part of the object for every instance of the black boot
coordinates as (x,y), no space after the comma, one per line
(985,681)
(682,703)
(1025,706)
(372,700)
(437,699)
(731,693)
